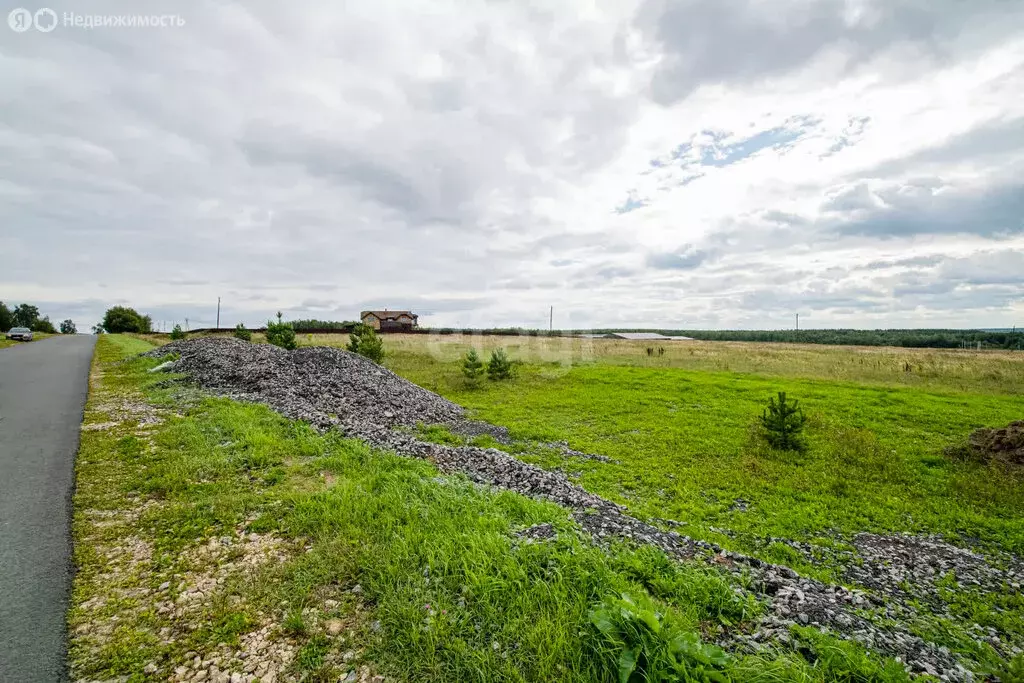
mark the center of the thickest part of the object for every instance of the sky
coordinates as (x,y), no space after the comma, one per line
(654,163)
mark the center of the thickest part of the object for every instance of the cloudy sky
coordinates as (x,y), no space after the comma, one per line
(661,163)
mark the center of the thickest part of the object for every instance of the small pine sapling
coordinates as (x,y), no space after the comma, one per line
(177,332)
(242,333)
(783,421)
(472,366)
(366,342)
(354,336)
(499,366)
(371,346)
(281,334)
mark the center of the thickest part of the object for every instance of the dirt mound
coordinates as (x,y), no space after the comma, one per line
(1003,445)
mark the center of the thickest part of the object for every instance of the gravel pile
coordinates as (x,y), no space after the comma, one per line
(334,389)
(902,565)
(324,386)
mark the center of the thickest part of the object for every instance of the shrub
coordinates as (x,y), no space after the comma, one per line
(44,325)
(783,422)
(68,327)
(177,332)
(242,333)
(642,643)
(281,334)
(365,341)
(123,319)
(472,366)
(499,366)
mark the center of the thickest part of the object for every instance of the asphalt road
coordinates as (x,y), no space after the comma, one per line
(43,386)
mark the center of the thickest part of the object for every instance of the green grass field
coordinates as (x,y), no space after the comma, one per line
(446,591)
(681,427)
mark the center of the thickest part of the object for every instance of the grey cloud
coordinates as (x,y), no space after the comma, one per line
(990,212)
(182,282)
(987,268)
(350,167)
(912,261)
(783,218)
(855,198)
(741,41)
(991,139)
(525,284)
(685,258)
(842,298)
(928,287)
(613,272)
(317,304)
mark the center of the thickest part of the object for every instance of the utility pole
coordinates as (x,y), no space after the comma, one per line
(218,312)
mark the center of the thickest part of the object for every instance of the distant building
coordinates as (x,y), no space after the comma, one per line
(390,321)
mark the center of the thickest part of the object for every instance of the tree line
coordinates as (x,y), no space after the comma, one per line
(27,315)
(913,338)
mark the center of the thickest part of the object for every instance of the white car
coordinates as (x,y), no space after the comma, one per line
(20,333)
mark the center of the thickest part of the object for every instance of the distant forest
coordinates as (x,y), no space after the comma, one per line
(304,325)
(922,338)
(929,339)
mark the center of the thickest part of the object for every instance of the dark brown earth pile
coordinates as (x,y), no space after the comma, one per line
(1004,445)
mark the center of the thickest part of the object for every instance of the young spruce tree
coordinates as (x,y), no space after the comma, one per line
(783,421)
(499,366)
(472,366)
(281,334)
(366,342)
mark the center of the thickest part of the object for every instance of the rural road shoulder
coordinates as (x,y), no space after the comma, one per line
(43,387)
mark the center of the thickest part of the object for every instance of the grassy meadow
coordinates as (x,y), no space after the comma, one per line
(377,565)
(425,573)
(681,428)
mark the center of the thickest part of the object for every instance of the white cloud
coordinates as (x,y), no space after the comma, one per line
(468,159)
